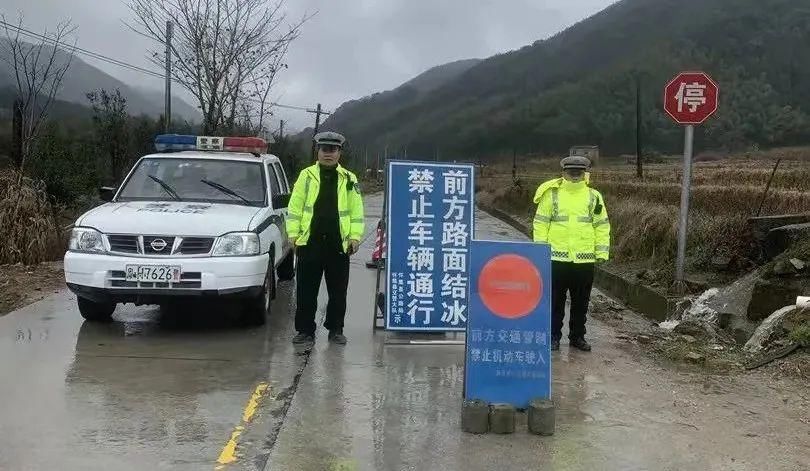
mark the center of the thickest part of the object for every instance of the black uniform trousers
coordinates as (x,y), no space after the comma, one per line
(576,279)
(314,261)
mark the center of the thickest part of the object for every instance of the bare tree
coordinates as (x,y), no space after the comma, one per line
(220,48)
(110,123)
(37,70)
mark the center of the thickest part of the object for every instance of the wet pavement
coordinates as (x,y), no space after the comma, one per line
(193,391)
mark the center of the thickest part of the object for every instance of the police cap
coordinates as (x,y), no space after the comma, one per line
(575,162)
(329,138)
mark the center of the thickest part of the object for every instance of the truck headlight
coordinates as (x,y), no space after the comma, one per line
(237,244)
(85,239)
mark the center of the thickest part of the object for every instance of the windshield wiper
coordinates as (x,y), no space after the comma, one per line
(166,187)
(226,190)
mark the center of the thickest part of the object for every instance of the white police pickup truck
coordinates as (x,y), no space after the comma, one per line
(204,216)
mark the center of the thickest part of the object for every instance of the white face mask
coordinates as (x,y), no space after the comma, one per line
(575,179)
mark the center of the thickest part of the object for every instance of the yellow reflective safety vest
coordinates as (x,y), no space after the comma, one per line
(573,219)
(302,204)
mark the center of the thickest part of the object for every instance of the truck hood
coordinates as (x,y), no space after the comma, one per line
(169,218)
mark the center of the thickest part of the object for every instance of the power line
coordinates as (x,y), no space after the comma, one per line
(125,65)
(95,55)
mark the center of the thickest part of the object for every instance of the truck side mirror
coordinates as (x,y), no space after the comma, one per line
(106,193)
(281,201)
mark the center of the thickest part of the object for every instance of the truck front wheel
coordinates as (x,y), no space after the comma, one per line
(256,309)
(95,311)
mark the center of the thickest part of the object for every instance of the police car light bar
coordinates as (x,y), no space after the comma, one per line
(175,142)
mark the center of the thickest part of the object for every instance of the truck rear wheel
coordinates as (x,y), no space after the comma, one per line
(286,269)
(95,311)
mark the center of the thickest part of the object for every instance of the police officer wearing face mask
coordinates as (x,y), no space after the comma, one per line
(572,218)
(325,225)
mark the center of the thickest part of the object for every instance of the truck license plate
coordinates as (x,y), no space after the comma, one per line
(153,273)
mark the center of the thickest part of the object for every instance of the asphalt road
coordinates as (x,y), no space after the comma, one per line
(194,391)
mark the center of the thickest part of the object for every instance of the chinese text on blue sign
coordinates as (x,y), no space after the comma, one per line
(508,342)
(430,227)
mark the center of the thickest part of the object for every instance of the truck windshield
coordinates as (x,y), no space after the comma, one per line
(162,179)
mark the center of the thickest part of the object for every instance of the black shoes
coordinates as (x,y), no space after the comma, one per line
(303,338)
(334,337)
(581,344)
(337,337)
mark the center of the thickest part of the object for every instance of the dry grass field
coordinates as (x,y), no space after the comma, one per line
(726,191)
(28,222)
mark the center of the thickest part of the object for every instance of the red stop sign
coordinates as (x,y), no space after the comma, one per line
(691,97)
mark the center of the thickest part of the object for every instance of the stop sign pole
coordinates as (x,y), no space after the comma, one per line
(690,99)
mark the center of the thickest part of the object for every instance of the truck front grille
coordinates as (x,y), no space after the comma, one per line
(158,245)
(123,243)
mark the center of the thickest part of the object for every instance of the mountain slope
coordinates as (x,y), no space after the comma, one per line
(382,105)
(83,77)
(578,87)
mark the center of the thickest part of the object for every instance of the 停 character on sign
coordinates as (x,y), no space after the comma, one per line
(692,95)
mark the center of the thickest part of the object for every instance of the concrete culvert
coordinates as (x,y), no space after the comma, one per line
(542,417)
(475,416)
(502,418)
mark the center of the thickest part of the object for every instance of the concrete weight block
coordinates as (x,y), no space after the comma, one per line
(475,416)
(541,417)
(502,418)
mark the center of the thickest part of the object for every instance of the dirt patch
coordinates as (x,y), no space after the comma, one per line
(24,284)
(694,350)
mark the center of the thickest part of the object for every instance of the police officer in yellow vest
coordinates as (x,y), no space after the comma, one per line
(572,218)
(325,225)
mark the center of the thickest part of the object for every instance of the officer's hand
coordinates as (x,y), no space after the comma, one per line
(353,246)
(293,240)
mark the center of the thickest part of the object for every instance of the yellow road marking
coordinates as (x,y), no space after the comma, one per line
(228,454)
(253,403)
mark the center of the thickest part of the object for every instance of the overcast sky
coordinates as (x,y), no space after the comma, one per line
(349,49)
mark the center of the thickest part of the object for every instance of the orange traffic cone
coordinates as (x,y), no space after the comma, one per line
(377,258)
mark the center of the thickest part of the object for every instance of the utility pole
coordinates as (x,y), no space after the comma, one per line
(17,133)
(318,111)
(639,158)
(167,119)
(280,129)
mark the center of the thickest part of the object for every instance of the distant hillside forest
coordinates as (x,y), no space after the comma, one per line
(579,87)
